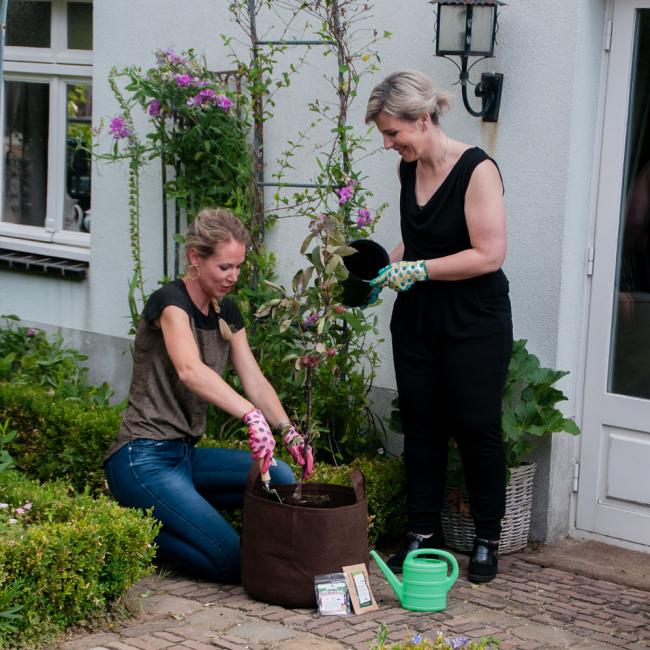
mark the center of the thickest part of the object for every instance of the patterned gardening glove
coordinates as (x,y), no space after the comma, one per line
(260,438)
(401,276)
(295,446)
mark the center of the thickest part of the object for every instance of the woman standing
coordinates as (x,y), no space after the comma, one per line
(451,326)
(188,332)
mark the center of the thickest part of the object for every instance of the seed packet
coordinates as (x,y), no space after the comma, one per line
(361,597)
(332,596)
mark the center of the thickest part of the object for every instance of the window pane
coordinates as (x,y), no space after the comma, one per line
(28,23)
(80,26)
(630,353)
(78,142)
(27,107)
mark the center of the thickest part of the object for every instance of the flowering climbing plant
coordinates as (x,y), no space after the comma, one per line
(324,352)
(196,128)
(326,342)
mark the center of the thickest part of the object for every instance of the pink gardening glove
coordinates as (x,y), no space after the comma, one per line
(260,438)
(295,446)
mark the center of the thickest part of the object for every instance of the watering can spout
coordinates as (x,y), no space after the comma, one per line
(390,576)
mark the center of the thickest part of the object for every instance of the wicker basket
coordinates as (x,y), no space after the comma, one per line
(458,527)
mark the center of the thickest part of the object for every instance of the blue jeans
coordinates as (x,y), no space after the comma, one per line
(186,486)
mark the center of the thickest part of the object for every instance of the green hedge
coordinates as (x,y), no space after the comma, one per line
(385,490)
(58,438)
(67,440)
(65,558)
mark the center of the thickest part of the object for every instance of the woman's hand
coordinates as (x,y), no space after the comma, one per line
(260,438)
(401,276)
(301,453)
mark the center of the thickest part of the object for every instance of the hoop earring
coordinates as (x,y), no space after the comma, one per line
(197,269)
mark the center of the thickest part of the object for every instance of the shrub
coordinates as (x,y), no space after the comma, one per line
(385,490)
(58,438)
(29,356)
(66,556)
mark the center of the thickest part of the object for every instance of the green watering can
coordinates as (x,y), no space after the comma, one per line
(425,580)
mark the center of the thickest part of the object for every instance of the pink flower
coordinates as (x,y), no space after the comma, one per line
(119,128)
(20,511)
(224,102)
(364,218)
(30,332)
(27,506)
(344,193)
(154,108)
(183,80)
(310,320)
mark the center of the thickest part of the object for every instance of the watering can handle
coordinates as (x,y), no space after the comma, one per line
(445,554)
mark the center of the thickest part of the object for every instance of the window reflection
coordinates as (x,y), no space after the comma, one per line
(77,158)
(630,358)
(25,150)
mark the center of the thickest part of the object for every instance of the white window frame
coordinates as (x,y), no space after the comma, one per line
(58,67)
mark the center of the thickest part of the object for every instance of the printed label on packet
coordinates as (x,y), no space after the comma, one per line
(332,595)
(363,592)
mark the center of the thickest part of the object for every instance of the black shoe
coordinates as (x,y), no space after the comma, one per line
(484,562)
(414,541)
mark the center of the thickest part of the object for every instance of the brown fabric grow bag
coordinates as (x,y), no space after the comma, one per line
(284,546)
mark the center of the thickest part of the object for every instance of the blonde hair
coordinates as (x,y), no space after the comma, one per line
(211,228)
(407,94)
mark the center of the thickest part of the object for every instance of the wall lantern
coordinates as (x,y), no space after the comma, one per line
(467,28)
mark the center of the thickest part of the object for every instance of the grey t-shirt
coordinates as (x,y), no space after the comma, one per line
(160,407)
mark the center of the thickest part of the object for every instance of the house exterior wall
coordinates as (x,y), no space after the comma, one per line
(545,142)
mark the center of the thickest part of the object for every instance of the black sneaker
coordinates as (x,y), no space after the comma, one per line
(484,563)
(414,541)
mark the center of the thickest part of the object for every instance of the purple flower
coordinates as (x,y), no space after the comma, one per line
(224,102)
(310,320)
(183,80)
(364,218)
(458,642)
(119,128)
(205,96)
(30,332)
(154,108)
(344,193)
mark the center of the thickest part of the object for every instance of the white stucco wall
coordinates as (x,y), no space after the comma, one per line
(550,52)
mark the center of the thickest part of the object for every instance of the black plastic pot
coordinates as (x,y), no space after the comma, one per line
(363,266)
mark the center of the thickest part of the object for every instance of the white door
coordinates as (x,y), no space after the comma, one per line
(614,487)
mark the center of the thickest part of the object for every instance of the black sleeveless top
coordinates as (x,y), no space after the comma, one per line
(472,307)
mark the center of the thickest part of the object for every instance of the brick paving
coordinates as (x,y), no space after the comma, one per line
(528,607)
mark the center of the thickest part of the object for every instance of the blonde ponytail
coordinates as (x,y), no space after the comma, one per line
(224,328)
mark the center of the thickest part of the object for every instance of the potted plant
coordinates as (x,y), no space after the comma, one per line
(529,416)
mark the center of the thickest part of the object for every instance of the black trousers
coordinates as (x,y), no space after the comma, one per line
(450,367)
